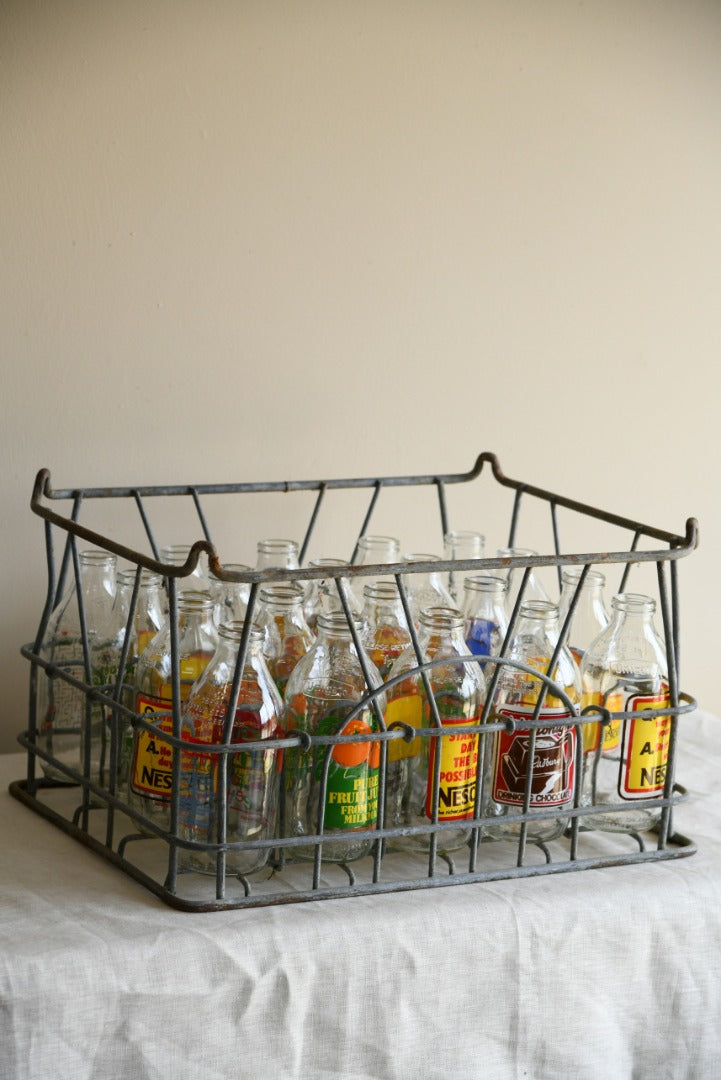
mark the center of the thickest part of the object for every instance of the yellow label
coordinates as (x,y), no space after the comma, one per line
(611,732)
(153,761)
(459,762)
(645,749)
(404,710)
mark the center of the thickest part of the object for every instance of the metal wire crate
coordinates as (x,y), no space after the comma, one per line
(102,819)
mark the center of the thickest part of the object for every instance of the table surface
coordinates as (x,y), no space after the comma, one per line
(605,973)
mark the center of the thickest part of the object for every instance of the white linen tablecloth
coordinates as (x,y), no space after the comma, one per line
(599,974)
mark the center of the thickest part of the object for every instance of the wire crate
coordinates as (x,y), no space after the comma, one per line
(101,817)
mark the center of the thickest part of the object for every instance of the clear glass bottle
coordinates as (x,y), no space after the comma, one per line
(384,631)
(534,590)
(198,579)
(590,616)
(61,707)
(150,617)
(230,597)
(277,554)
(425,590)
(553,755)
(459,692)
(484,613)
(326,685)
(150,773)
(371,550)
(461,544)
(377,549)
(253,776)
(287,635)
(322,594)
(625,670)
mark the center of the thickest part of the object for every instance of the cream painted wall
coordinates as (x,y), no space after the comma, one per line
(279,240)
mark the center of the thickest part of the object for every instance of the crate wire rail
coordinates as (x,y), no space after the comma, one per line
(101,818)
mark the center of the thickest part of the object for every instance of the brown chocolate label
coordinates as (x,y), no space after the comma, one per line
(554,759)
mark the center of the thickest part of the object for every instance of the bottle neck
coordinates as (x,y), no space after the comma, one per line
(632,610)
(441,630)
(277,554)
(377,549)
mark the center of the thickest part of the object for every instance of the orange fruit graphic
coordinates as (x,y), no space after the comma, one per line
(350,755)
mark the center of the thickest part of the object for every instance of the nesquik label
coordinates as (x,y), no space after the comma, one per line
(152,773)
(459,762)
(645,749)
(553,767)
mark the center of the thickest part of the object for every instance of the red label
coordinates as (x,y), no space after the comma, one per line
(554,759)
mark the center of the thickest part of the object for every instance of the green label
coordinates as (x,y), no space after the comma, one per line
(352,792)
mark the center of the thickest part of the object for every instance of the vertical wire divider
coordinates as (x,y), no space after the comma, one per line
(201,515)
(440,487)
(673,694)
(556,541)
(514,515)
(86,720)
(675,619)
(37,645)
(67,553)
(115,734)
(375,705)
(433,707)
(675,622)
(532,734)
(627,567)
(369,513)
(490,695)
(562,638)
(320,817)
(311,523)
(146,523)
(221,798)
(480,770)
(172,878)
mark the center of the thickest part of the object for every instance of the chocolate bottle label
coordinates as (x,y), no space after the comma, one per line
(645,748)
(553,768)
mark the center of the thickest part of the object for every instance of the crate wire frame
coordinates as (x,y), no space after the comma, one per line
(104,821)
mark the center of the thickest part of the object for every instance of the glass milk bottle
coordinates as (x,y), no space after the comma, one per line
(459,692)
(371,550)
(461,544)
(425,590)
(176,555)
(324,688)
(550,759)
(252,775)
(230,597)
(484,613)
(322,593)
(287,635)
(625,670)
(61,708)
(590,616)
(534,590)
(384,631)
(277,554)
(151,760)
(149,617)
